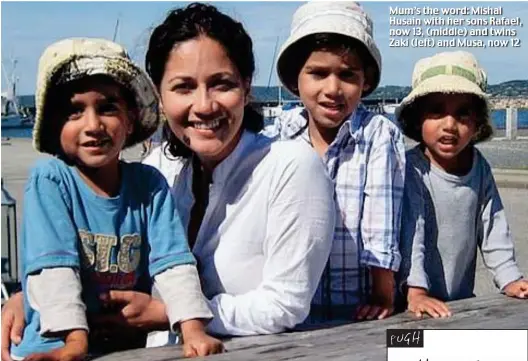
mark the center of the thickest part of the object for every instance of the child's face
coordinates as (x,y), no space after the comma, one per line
(330,85)
(448,125)
(96,122)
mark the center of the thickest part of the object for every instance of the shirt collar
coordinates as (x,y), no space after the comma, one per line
(298,124)
(223,169)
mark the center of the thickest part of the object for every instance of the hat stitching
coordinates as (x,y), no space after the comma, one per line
(449,70)
(361,19)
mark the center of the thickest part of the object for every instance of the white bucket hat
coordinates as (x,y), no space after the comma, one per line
(340,17)
(75,58)
(448,72)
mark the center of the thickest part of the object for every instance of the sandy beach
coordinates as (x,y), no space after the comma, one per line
(18,156)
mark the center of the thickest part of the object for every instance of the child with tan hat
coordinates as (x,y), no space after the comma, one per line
(451,202)
(93,223)
(331,61)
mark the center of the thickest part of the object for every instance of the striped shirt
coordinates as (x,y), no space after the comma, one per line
(366,161)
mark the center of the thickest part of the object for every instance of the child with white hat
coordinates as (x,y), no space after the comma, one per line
(451,203)
(93,223)
(331,61)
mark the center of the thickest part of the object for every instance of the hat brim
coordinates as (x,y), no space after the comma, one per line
(334,27)
(124,72)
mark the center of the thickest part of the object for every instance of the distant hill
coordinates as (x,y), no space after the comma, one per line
(513,88)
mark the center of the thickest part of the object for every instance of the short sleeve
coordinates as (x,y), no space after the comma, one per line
(49,234)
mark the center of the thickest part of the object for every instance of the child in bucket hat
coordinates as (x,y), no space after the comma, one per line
(331,61)
(451,202)
(93,223)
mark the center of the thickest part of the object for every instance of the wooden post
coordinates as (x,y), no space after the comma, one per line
(511,123)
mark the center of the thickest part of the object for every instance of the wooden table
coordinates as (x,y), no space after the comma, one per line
(360,341)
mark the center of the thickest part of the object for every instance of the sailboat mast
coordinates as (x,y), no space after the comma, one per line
(13,87)
(116,29)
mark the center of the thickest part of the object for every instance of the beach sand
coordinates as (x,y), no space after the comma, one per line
(18,156)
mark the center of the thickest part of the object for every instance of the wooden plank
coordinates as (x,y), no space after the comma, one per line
(360,341)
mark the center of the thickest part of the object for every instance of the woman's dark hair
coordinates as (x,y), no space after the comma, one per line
(411,119)
(188,23)
(295,57)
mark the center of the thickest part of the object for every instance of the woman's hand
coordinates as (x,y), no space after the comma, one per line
(198,343)
(13,323)
(135,309)
(420,302)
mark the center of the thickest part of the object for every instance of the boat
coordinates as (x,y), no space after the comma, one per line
(14,116)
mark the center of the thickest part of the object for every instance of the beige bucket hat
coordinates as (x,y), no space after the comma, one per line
(447,72)
(75,58)
(339,17)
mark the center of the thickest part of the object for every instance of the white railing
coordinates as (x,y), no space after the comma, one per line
(511,129)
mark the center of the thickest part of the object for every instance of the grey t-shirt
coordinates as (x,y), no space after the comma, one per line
(445,218)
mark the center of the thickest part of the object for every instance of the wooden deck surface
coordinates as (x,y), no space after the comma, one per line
(360,341)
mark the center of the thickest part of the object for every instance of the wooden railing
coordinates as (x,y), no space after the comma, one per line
(362,341)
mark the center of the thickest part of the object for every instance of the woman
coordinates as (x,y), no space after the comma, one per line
(259,214)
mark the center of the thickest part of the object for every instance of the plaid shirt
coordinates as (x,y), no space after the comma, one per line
(366,161)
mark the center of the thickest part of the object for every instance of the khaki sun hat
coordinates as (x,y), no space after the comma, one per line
(75,58)
(339,17)
(448,72)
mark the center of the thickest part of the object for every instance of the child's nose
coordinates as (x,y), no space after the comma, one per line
(332,86)
(450,122)
(93,121)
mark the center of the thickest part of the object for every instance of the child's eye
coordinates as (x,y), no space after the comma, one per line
(464,112)
(108,108)
(74,112)
(318,74)
(435,110)
(348,74)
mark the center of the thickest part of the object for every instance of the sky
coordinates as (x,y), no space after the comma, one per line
(27,28)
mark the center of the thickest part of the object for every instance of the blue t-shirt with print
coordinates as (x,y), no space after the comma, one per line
(115,243)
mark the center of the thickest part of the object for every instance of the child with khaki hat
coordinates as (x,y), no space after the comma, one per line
(331,61)
(451,203)
(93,223)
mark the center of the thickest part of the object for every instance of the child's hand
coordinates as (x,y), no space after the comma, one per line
(420,302)
(381,303)
(75,349)
(196,342)
(517,289)
(12,323)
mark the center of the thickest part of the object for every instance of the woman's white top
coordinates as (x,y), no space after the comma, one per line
(266,233)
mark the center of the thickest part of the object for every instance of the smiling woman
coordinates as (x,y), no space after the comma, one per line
(260,232)
(204,95)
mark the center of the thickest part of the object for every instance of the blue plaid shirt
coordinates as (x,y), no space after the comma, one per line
(366,161)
